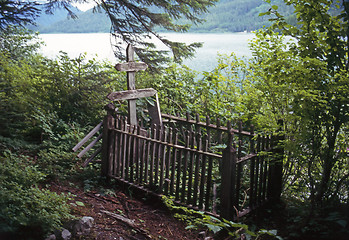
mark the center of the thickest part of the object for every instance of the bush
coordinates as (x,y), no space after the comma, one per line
(56,158)
(221,228)
(24,207)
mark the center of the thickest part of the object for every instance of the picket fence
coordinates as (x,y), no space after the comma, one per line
(223,171)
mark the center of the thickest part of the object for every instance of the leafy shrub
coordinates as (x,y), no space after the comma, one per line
(56,158)
(16,145)
(23,205)
(196,219)
(57,163)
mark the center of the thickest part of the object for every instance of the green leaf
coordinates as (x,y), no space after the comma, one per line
(275,7)
(268,232)
(190,227)
(342,223)
(214,228)
(263,14)
(81,204)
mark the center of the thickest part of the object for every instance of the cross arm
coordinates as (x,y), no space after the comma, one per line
(131,66)
(131,94)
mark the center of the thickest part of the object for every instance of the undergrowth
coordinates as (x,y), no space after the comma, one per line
(25,207)
(218,226)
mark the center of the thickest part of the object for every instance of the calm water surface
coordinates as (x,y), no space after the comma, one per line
(99,45)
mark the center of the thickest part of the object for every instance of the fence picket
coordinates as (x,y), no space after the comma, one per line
(179,171)
(143,147)
(153,155)
(128,153)
(124,149)
(185,167)
(252,171)
(257,179)
(239,168)
(116,148)
(203,175)
(132,156)
(137,153)
(146,159)
(209,170)
(162,157)
(167,162)
(197,170)
(119,154)
(159,134)
(191,167)
(173,163)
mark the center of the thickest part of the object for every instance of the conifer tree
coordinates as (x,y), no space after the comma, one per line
(14,12)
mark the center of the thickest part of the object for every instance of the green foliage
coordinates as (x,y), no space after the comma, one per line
(18,43)
(175,87)
(55,158)
(280,83)
(57,162)
(76,88)
(325,224)
(38,94)
(24,206)
(198,219)
(17,12)
(293,76)
(217,93)
(317,78)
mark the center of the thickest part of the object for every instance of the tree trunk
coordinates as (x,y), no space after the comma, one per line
(329,160)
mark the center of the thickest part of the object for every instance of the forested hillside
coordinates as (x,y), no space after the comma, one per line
(226,16)
(47,19)
(238,16)
(87,22)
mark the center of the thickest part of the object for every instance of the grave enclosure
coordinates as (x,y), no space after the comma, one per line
(201,164)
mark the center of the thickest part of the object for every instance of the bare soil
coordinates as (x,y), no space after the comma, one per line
(139,220)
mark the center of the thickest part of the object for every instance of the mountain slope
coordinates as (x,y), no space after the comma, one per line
(236,16)
(87,22)
(45,20)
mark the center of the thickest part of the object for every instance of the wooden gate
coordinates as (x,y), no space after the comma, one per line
(217,169)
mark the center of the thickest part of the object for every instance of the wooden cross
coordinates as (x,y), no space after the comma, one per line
(131,67)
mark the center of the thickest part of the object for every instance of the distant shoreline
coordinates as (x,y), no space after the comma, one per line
(162,33)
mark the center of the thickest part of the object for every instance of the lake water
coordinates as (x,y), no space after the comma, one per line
(99,45)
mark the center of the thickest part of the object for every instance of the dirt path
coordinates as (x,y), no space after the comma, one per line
(122,218)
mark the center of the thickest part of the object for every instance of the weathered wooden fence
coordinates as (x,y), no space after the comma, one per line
(224,171)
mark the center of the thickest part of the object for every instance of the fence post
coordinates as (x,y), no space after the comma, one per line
(276,175)
(228,178)
(253,173)
(107,142)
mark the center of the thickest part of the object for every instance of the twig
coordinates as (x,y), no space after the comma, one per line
(237,213)
(96,197)
(128,222)
(245,198)
(169,230)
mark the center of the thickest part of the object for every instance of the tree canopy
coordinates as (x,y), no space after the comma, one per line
(14,12)
(132,21)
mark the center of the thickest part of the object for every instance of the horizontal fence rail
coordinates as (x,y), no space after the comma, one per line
(88,137)
(223,171)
